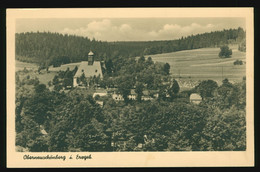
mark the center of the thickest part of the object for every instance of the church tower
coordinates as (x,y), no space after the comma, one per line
(90,58)
(89,68)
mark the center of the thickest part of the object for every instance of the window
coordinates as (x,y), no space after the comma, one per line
(96,70)
(82,70)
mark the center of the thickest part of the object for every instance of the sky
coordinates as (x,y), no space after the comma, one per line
(129,29)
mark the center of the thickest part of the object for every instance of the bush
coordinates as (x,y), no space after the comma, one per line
(238,62)
(206,88)
(225,52)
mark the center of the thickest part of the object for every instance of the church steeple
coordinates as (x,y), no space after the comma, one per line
(90,58)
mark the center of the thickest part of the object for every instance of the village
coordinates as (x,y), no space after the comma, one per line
(92,69)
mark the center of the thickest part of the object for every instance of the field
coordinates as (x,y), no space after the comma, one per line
(204,63)
(32,69)
(21,65)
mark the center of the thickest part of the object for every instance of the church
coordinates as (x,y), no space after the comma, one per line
(89,68)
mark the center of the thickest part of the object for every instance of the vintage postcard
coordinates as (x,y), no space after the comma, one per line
(130,87)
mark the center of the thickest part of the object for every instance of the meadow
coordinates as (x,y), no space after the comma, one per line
(21,65)
(44,76)
(204,63)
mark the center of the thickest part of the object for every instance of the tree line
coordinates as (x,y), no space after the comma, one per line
(48,48)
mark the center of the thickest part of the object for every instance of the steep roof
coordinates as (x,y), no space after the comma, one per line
(89,70)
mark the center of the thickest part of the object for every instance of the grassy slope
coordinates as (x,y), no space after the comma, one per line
(44,77)
(204,63)
(21,65)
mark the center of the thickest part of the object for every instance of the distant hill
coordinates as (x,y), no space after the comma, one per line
(49,48)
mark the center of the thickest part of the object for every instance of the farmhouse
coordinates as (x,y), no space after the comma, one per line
(88,68)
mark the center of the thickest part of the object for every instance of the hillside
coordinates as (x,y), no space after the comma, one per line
(47,48)
(204,63)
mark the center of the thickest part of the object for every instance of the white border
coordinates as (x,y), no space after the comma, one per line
(132,159)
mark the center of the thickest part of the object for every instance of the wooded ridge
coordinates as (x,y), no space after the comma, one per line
(47,48)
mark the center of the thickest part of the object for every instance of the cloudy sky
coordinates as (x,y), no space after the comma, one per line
(129,29)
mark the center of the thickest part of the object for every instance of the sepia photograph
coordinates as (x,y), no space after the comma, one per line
(130,82)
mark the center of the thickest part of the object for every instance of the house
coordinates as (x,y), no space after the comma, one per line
(132,95)
(195,98)
(101,103)
(43,131)
(89,68)
(117,97)
(115,94)
(147,95)
(111,90)
(100,92)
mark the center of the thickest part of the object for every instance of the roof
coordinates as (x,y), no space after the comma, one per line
(100,94)
(101,103)
(195,96)
(43,132)
(89,70)
(132,92)
(90,53)
(146,92)
(101,91)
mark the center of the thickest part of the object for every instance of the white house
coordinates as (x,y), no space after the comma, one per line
(132,95)
(195,98)
(117,97)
